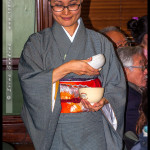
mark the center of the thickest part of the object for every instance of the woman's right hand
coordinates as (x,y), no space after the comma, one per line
(79,67)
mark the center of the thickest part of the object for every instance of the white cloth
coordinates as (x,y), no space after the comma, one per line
(108,111)
(72,37)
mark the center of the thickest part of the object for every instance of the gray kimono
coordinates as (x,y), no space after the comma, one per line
(52,130)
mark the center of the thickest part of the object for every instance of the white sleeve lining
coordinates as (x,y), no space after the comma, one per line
(109,113)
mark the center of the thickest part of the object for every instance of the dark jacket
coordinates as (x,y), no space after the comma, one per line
(132,108)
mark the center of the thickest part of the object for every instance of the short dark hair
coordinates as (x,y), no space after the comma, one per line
(138,28)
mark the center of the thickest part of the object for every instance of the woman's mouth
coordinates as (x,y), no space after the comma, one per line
(66,18)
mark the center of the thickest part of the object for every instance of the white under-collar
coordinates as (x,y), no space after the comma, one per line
(72,37)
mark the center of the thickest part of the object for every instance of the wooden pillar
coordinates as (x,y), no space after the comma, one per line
(44,15)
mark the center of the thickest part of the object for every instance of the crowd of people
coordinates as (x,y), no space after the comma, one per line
(134,60)
(57,57)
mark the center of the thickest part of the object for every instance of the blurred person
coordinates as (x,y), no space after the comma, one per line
(116,35)
(135,67)
(139,31)
(139,141)
(55,60)
(142,124)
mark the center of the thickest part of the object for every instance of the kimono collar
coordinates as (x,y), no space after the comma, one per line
(70,50)
(72,37)
(59,31)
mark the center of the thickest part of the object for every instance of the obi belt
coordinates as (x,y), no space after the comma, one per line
(70,99)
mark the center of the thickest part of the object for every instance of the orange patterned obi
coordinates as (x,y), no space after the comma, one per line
(70,99)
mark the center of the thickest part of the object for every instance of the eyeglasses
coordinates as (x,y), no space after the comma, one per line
(122,43)
(71,7)
(142,67)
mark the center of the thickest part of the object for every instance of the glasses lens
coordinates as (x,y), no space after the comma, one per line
(122,44)
(58,8)
(73,7)
(126,44)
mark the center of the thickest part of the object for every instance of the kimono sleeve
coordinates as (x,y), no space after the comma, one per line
(115,84)
(36,85)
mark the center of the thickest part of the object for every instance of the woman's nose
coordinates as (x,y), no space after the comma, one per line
(66,11)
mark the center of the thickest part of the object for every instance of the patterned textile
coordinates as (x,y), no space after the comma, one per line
(70,99)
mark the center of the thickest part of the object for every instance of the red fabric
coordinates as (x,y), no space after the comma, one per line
(70,102)
(90,83)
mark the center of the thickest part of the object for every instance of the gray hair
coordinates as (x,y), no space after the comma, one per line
(126,54)
(109,28)
(113,28)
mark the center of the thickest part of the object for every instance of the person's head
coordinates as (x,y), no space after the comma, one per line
(134,64)
(66,12)
(116,35)
(139,29)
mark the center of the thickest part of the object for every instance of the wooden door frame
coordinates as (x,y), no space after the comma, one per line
(44,15)
(14,130)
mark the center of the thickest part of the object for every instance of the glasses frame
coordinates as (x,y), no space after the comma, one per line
(122,43)
(143,67)
(66,7)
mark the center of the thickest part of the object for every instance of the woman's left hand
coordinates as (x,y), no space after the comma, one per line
(96,106)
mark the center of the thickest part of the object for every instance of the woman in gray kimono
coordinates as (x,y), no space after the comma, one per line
(59,54)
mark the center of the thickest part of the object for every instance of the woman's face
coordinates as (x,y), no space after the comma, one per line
(66,18)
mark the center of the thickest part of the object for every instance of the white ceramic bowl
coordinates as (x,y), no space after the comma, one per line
(92,94)
(97,61)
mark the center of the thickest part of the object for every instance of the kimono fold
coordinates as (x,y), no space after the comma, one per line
(45,51)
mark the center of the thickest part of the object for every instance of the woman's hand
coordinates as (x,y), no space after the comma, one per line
(79,67)
(96,106)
